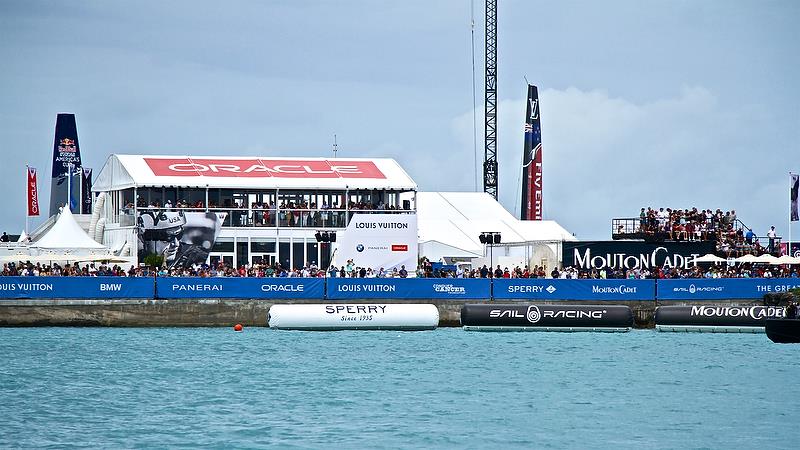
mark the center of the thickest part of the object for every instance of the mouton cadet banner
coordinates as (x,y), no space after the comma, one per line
(379,240)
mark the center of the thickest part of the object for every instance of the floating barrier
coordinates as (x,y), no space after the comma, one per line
(715,319)
(499,317)
(367,316)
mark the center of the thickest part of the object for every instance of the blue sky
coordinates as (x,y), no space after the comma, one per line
(661,103)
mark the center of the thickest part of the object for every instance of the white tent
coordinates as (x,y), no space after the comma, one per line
(786,259)
(766,259)
(67,235)
(23,237)
(449,224)
(746,259)
(709,258)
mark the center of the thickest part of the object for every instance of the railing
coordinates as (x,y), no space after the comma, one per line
(728,239)
(272,217)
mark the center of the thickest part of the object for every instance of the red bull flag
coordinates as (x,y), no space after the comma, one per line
(33,193)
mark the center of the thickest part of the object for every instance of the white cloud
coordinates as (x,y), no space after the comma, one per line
(606,157)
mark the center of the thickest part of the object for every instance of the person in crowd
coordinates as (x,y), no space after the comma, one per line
(4,237)
(771,235)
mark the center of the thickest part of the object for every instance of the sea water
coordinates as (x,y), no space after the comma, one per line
(192,387)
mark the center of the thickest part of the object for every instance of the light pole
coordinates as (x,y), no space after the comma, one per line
(490,238)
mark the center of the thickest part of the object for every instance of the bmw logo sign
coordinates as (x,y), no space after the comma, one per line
(360,248)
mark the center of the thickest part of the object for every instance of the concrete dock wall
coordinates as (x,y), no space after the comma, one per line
(249,312)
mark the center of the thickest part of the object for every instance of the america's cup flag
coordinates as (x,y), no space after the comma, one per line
(532,160)
(33,193)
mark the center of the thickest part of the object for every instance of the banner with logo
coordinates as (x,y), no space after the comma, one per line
(183,239)
(66,154)
(794,198)
(408,288)
(86,191)
(632,254)
(558,289)
(724,288)
(249,288)
(716,315)
(33,193)
(75,287)
(532,160)
(379,240)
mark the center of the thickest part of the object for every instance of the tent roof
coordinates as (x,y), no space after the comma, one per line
(455,219)
(67,234)
(251,172)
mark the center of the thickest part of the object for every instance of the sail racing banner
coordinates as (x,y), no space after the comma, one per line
(532,160)
(75,287)
(723,288)
(559,289)
(249,288)
(408,288)
(33,193)
(632,254)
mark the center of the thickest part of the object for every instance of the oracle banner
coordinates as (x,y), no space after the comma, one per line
(261,168)
(33,193)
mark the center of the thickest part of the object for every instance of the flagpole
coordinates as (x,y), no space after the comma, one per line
(789,244)
(27,174)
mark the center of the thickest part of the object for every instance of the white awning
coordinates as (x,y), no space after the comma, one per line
(251,172)
(66,234)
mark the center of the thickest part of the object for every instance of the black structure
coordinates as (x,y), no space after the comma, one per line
(490,105)
(500,317)
(715,318)
(783,331)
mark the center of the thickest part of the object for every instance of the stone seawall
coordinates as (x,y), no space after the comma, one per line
(227,312)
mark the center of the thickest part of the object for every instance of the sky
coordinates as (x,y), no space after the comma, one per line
(660,103)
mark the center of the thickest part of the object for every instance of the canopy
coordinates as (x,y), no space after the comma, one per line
(66,235)
(766,259)
(251,172)
(449,224)
(786,259)
(709,258)
(746,259)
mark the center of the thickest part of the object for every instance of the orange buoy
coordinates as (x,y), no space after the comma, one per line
(238,327)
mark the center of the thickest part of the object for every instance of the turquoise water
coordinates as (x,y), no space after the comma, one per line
(109,388)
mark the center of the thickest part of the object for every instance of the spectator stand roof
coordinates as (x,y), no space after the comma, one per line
(251,172)
(450,222)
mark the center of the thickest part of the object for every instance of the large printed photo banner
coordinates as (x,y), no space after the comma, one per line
(253,288)
(408,288)
(558,289)
(724,288)
(183,239)
(75,287)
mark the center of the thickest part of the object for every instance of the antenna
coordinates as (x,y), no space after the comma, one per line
(335,146)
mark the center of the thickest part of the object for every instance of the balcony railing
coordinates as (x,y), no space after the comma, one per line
(271,217)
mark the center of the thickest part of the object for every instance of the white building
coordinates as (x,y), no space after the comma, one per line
(244,210)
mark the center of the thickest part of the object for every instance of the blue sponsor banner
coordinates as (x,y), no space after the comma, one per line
(408,288)
(558,289)
(76,287)
(266,288)
(723,288)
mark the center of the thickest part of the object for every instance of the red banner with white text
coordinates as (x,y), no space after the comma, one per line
(33,193)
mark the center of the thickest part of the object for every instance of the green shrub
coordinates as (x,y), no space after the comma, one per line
(153,260)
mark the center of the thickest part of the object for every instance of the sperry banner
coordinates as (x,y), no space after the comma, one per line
(260,168)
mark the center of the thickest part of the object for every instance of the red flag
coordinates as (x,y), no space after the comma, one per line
(33,193)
